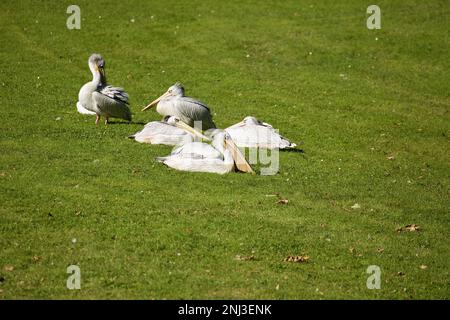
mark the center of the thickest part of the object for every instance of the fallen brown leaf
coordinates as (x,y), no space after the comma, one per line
(412,227)
(8,268)
(283,201)
(390,158)
(244,258)
(297,258)
(423,267)
(380,250)
(409,227)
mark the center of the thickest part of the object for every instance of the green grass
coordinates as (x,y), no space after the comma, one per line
(351,97)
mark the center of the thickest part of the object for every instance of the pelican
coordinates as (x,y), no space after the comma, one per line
(253,133)
(171,131)
(221,156)
(96,97)
(189,110)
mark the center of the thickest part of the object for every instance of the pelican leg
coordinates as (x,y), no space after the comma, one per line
(97,119)
(106,120)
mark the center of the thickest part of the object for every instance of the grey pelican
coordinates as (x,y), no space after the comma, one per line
(97,97)
(171,131)
(253,133)
(221,156)
(188,110)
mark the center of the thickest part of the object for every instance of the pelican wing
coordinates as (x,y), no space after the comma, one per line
(115,93)
(202,150)
(157,132)
(257,136)
(113,102)
(196,102)
(191,110)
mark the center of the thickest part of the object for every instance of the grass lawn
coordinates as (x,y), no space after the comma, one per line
(370,108)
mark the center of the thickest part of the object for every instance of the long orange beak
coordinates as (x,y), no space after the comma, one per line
(151,104)
(238,157)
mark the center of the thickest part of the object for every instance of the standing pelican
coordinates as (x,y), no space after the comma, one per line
(218,157)
(175,103)
(96,97)
(253,133)
(171,131)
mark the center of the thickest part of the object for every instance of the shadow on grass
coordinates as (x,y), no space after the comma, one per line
(293,150)
(123,122)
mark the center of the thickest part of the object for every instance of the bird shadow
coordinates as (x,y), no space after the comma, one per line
(123,122)
(293,150)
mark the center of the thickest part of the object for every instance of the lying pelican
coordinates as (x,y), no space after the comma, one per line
(219,157)
(171,131)
(253,133)
(96,97)
(175,103)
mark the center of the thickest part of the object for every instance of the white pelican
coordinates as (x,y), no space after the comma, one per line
(96,97)
(188,110)
(219,157)
(171,131)
(253,133)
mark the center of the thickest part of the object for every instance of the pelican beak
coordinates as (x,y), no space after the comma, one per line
(238,157)
(182,125)
(151,104)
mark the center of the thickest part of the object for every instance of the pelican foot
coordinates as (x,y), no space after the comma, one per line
(97,119)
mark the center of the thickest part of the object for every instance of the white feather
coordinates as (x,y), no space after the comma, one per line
(201,157)
(253,133)
(83,110)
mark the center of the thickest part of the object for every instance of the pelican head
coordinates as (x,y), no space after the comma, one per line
(97,65)
(239,159)
(221,140)
(177,90)
(176,122)
(251,120)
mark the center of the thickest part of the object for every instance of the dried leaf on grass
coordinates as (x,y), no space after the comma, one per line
(412,227)
(244,258)
(296,259)
(409,227)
